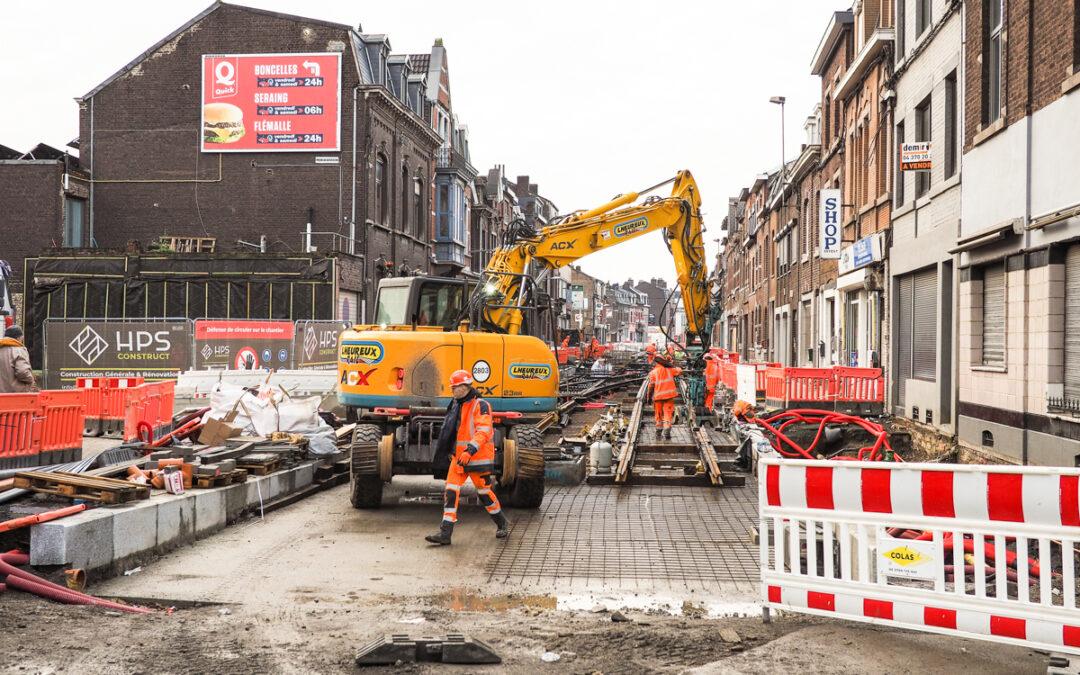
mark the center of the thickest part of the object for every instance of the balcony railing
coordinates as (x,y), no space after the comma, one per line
(446,157)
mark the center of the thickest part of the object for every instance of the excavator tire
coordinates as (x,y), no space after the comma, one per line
(365,485)
(527,490)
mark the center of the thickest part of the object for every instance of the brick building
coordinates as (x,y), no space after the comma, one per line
(1018,252)
(926,211)
(139,142)
(43,196)
(494,208)
(866,125)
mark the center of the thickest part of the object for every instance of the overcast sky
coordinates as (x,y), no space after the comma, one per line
(588,98)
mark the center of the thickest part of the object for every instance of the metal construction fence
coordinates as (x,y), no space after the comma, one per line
(986,552)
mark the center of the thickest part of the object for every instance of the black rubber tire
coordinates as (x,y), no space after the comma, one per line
(365,486)
(527,490)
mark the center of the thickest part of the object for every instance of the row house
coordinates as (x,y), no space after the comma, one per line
(786,299)
(494,208)
(863,100)
(587,306)
(1018,248)
(453,195)
(927,79)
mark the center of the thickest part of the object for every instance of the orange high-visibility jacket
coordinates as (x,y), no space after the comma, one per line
(662,382)
(475,426)
(712,373)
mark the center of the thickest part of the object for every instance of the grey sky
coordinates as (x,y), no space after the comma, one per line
(590,99)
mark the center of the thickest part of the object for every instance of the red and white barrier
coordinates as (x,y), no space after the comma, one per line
(986,552)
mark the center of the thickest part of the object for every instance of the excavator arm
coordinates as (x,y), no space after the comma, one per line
(616,222)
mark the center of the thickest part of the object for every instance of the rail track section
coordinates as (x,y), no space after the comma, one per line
(697,454)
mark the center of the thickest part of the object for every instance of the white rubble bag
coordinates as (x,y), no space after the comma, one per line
(269,411)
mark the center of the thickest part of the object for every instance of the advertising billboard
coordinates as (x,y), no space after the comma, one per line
(315,344)
(153,350)
(238,344)
(271,102)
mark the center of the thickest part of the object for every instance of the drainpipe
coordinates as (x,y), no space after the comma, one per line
(91,242)
(1027,220)
(352,218)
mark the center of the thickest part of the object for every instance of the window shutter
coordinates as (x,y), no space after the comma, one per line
(903,340)
(1072,323)
(994,315)
(924,325)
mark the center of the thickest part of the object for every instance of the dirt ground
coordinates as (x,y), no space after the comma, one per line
(302,590)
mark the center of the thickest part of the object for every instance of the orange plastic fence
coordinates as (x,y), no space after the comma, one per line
(17,447)
(41,428)
(860,385)
(106,403)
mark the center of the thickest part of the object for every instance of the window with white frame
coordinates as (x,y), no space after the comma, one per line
(993,11)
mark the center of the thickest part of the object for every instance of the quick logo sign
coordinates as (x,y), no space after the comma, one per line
(829,245)
(630,227)
(365,351)
(530,371)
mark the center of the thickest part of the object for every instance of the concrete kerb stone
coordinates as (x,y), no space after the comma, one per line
(84,540)
(134,528)
(101,538)
(176,521)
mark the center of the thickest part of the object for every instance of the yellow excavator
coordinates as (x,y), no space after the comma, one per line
(393,375)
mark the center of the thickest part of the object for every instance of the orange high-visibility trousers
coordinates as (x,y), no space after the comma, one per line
(455,478)
(710,393)
(663,412)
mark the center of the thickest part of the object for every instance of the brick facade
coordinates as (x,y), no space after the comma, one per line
(139,138)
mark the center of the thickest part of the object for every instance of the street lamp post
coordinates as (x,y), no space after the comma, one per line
(780,100)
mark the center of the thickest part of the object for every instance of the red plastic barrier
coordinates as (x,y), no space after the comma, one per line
(151,403)
(106,404)
(17,415)
(787,386)
(859,385)
(61,414)
(728,375)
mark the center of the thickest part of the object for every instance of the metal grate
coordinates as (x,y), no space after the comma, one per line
(691,538)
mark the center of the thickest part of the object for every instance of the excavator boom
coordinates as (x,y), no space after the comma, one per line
(618,221)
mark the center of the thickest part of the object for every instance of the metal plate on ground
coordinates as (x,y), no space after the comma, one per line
(691,538)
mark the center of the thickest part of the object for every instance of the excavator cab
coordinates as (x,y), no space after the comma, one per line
(421,301)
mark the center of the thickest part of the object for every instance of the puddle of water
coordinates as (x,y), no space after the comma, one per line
(460,600)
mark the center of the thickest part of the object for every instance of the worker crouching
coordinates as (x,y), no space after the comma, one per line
(466,437)
(661,389)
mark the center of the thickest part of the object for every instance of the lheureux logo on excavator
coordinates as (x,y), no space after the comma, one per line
(630,227)
(365,351)
(530,371)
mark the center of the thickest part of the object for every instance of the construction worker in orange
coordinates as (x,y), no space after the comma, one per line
(712,378)
(650,352)
(661,389)
(670,349)
(466,437)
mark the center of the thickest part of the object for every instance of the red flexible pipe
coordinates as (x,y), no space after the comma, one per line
(25,581)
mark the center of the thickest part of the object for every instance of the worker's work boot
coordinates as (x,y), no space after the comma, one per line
(442,537)
(667,434)
(659,433)
(500,522)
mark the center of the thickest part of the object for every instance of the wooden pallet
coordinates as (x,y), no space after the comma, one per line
(220,480)
(259,466)
(188,244)
(79,486)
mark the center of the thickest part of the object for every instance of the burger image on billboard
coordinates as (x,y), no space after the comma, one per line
(222,123)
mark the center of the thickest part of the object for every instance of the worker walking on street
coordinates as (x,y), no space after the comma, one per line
(466,437)
(15,374)
(712,378)
(661,389)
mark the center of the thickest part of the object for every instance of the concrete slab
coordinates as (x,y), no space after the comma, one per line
(134,528)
